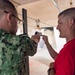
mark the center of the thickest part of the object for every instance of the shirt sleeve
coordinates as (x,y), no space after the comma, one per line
(28,45)
(66,63)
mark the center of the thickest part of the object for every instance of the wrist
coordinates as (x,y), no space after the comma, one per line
(47,43)
(49,70)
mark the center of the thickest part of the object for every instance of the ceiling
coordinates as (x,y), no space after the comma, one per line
(44,10)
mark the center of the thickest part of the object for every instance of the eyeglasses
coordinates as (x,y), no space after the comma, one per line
(19,20)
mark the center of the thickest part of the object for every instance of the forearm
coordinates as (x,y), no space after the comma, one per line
(52,52)
(51,72)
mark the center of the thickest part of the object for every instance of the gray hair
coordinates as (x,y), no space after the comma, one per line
(7,5)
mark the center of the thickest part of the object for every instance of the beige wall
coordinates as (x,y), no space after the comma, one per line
(51,38)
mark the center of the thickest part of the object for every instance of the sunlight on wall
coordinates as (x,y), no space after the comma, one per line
(59,41)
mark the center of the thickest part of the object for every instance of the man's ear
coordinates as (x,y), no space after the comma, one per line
(9,16)
(71,22)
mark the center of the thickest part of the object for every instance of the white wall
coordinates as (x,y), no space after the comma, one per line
(59,41)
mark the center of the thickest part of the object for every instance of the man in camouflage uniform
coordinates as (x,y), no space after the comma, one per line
(12,47)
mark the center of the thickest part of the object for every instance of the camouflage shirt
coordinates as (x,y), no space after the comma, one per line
(12,52)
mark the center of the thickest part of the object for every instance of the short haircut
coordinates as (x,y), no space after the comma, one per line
(7,5)
(68,12)
(36,33)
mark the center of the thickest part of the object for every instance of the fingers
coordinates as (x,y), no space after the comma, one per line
(45,38)
(36,38)
(51,65)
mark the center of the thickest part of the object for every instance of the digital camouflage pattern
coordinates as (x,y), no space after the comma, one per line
(12,52)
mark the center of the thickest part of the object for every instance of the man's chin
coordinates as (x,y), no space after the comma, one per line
(61,36)
(13,33)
